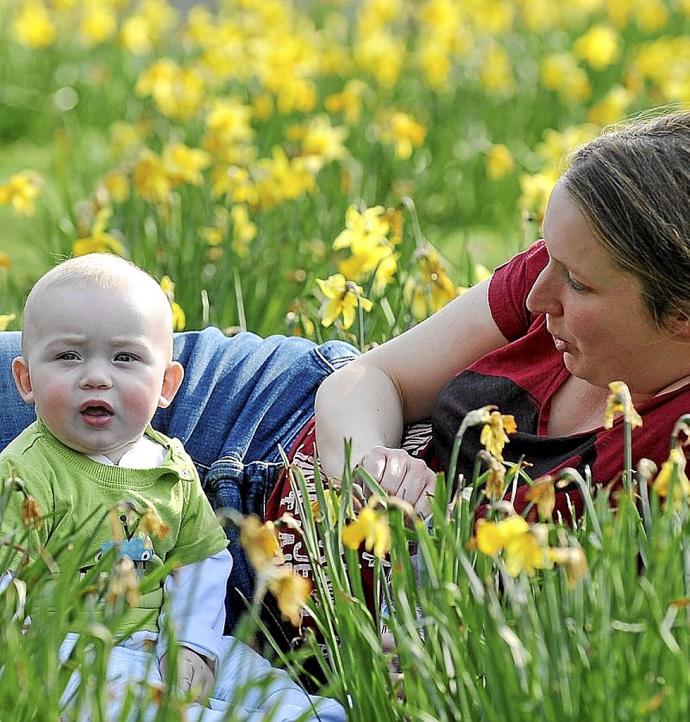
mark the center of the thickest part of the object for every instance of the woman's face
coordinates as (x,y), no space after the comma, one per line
(595,312)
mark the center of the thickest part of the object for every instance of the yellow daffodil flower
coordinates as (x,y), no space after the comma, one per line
(527,552)
(98,24)
(260,543)
(21,190)
(291,591)
(5,320)
(243,230)
(349,101)
(492,537)
(341,297)
(573,560)
(150,178)
(183,164)
(99,241)
(599,46)
(543,494)
(494,434)
(179,317)
(32,25)
(495,485)
(619,401)
(370,527)
(672,473)
(499,162)
(403,131)
(116,184)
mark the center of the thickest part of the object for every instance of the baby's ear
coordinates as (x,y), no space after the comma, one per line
(171,383)
(22,379)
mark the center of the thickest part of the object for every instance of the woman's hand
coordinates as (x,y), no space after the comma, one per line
(401,475)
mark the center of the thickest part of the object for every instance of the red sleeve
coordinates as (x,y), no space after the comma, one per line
(509,287)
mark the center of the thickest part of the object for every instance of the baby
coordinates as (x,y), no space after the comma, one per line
(97,362)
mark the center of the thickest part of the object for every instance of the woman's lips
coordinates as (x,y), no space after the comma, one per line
(560,344)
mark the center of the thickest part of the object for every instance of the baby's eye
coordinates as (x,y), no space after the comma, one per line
(125,357)
(68,356)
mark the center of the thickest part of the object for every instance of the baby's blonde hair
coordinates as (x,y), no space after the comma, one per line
(102,271)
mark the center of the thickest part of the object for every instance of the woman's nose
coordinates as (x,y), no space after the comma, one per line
(545,294)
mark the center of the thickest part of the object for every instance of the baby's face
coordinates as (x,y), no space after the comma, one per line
(99,366)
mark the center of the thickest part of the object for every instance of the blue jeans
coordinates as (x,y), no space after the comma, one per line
(241,399)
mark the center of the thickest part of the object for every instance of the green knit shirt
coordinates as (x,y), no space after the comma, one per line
(75,492)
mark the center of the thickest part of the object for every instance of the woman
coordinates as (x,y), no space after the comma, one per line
(604,297)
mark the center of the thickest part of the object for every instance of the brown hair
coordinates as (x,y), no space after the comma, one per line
(632,185)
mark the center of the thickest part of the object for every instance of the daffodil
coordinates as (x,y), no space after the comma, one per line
(527,552)
(499,161)
(31,512)
(543,494)
(260,542)
(5,320)
(178,92)
(98,23)
(152,524)
(370,527)
(150,177)
(99,241)
(341,298)
(243,230)
(672,475)
(560,72)
(32,25)
(116,184)
(619,401)
(21,190)
(496,73)
(491,537)
(573,560)
(179,318)
(183,164)
(495,484)
(599,46)
(123,584)
(494,434)
(291,591)
(525,547)
(349,101)
(403,131)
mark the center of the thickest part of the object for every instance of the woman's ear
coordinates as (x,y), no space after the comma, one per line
(22,379)
(171,383)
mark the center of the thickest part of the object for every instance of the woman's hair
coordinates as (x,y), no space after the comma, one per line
(632,185)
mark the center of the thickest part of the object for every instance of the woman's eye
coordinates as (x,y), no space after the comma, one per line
(577,287)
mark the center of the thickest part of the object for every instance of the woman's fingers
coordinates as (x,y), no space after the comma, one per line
(401,475)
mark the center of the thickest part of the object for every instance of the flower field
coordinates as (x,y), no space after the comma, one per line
(343,169)
(281,161)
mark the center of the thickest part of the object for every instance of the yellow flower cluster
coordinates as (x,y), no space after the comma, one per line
(260,543)
(21,191)
(369,528)
(525,548)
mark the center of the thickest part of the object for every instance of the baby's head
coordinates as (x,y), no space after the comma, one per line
(97,353)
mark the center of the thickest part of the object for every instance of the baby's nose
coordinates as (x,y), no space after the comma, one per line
(95,375)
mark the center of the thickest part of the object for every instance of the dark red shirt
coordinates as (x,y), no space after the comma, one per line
(521,379)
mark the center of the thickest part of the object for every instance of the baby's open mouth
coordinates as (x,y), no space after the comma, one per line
(97,409)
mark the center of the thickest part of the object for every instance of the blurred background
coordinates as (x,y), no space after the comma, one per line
(317,168)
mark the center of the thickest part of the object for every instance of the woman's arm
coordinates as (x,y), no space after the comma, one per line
(371,399)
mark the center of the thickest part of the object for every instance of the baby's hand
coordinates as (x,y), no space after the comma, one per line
(193,673)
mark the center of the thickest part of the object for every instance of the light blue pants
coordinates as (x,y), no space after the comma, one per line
(246,686)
